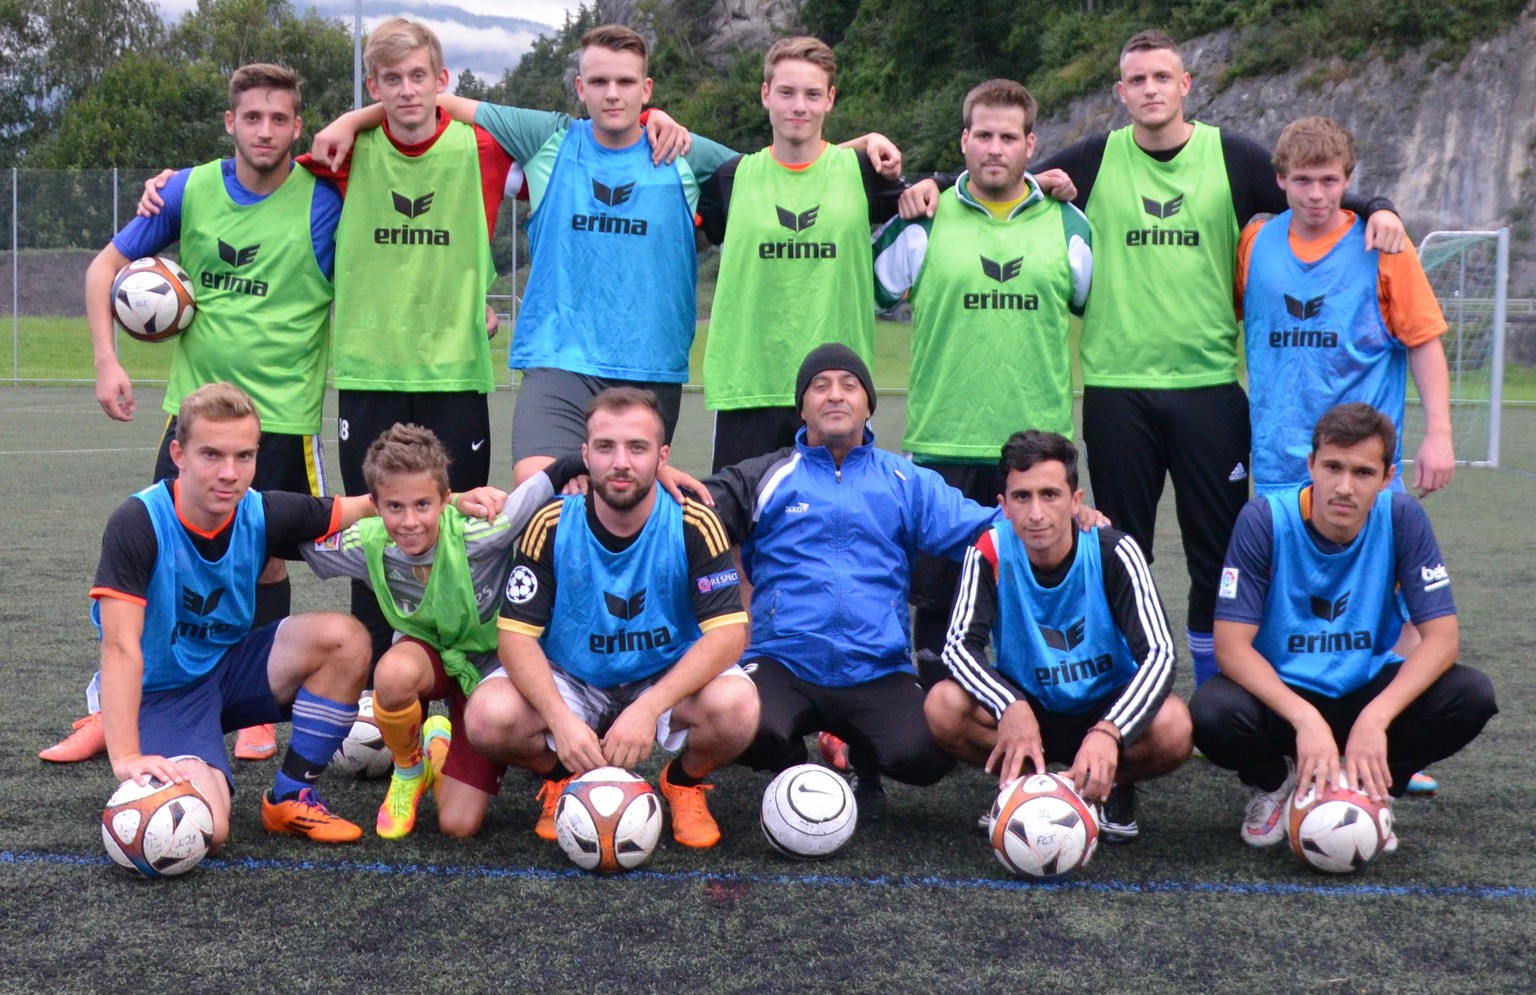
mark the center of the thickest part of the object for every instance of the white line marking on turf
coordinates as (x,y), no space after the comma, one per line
(73,452)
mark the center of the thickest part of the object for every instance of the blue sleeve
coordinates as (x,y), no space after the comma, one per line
(147,236)
(1245,573)
(324,213)
(1421,573)
(519,131)
(947,521)
(706,156)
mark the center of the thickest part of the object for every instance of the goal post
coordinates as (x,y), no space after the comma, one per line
(1469,271)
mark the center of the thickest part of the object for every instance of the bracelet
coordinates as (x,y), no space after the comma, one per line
(1106,732)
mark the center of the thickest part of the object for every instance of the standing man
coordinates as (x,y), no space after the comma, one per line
(621,629)
(1311,605)
(1328,320)
(182,660)
(995,278)
(1080,643)
(1166,198)
(828,531)
(795,257)
(258,239)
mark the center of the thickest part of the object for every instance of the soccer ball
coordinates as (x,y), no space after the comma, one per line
(153,299)
(1340,832)
(363,753)
(1042,829)
(157,829)
(808,811)
(608,820)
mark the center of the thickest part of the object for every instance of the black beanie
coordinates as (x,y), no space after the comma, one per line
(832,356)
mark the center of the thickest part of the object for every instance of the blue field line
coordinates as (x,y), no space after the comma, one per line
(1341,889)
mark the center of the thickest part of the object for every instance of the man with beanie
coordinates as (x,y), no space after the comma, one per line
(828,530)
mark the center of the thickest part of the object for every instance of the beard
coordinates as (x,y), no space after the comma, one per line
(621,500)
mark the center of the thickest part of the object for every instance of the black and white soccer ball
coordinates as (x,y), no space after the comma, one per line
(808,812)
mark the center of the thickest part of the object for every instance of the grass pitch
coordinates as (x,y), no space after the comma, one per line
(915,902)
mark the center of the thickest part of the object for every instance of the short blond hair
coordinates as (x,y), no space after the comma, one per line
(404,449)
(1314,141)
(390,42)
(221,401)
(807,49)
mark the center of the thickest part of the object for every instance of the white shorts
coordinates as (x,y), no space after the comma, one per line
(598,707)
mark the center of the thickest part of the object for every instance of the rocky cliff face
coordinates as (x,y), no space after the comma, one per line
(1452,145)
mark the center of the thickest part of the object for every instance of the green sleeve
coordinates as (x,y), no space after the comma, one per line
(520,131)
(706,156)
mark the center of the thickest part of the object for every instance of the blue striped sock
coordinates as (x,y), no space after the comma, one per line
(1202,650)
(319,726)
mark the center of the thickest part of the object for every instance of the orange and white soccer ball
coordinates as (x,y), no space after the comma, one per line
(153,299)
(156,829)
(1042,829)
(608,820)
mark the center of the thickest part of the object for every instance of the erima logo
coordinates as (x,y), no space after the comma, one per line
(1164,208)
(1067,640)
(612,196)
(233,283)
(625,609)
(797,222)
(1076,670)
(797,250)
(1327,610)
(237,257)
(201,604)
(1302,338)
(413,209)
(1002,272)
(1302,310)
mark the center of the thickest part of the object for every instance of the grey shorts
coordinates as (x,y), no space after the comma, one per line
(551,414)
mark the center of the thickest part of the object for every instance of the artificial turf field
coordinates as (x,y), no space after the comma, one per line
(915,902)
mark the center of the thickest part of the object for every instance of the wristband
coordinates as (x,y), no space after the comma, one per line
(1101,729)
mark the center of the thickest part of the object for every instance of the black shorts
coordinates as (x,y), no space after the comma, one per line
(461,420)
(283,462)
(881,720)
(551,414)
(1199,437)
(934,578)
(742,433)
(1061,736)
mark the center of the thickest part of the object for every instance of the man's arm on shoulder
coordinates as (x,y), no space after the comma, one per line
(521,131)
(735,490)
(706,156)
(1080,161)
(946,521)
(1138,611)
(882,191)
(714,206)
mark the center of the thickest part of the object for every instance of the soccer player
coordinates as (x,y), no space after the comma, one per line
(795,256)
(1307,618)
(258,239)
(438,577)
(621,630)
(181,658)
(995,277)
(1084,659)
(828,531)
(1167,198)
(1328,320)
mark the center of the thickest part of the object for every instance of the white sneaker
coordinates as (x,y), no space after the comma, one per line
(1264,821)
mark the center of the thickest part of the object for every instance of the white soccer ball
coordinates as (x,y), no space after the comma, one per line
(1042,829)
(153,299)
(608,820)
(157,829)
(808,812)
(1340,832)
(363,753)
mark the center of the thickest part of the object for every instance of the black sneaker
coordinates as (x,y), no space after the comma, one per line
(1117,816)
(869,793)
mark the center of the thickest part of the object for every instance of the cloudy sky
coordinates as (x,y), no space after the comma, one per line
(477,34)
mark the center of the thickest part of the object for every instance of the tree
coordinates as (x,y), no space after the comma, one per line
(53,51)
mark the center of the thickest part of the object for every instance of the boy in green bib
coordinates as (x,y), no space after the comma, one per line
(437,577)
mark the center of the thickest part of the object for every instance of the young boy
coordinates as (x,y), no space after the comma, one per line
(438,579)
(1329,321)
